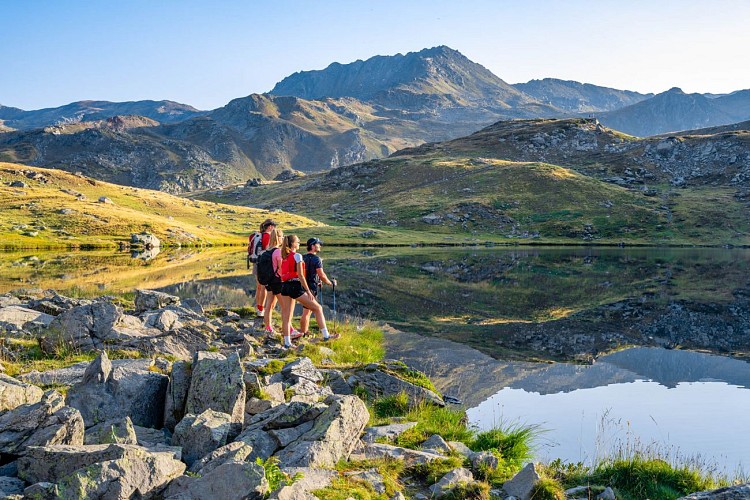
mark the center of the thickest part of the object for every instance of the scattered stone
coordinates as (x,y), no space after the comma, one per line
(449,481)
(390,432)
(148,300)
(104,199)
(230,481)
(738,492)
(14,393)
(312,479)
(521,485)
(379,450)
(369,476)
(609,494)
(201,434)
(117,431)
(48,422)
(378,383)
(484,459)
(16,317)
(436,444)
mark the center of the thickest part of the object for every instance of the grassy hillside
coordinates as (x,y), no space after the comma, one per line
(58,209)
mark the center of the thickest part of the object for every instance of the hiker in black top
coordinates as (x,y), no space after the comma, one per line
(315,277)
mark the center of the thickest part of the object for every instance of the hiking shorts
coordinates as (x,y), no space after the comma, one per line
(292,288)
(274,287)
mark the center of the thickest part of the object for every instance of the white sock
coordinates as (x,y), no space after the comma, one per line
(287,341)
(325,332)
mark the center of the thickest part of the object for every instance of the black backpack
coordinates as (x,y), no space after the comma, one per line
(266,273)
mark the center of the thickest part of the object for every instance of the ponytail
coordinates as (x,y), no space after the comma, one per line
(286,247)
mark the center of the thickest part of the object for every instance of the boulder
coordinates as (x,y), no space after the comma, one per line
(47,422)
(301,369)
(201,434)
(436,444)
(484,459)
(73,374)
(333,437)
(148,300)
(286,436)
(521,485)
(309,392)
(371,451)
(55,462)
(164,320)
(83,328)
(336,382)
(263,444)
(146,240)
(293,414)
(117,431)
(449,481)
(177,391)
(236,451)
(15,318)
(230,481)
(14,393)
(738,492)
(142,476)
(217,384)
(312,479)
(107,393)
(390,432)
(150,438)
(41,491)
(371,477)
(380,383)
(11,486)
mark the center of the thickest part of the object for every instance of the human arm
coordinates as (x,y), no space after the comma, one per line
(324,277)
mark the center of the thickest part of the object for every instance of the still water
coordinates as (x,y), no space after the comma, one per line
(593,345)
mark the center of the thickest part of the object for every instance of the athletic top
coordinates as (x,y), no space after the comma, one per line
(289,266)
(265,240)
(312,264)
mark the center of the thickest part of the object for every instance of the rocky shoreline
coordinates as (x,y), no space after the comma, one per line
(209,408)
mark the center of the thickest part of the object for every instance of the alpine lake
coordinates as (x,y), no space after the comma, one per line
(605,350)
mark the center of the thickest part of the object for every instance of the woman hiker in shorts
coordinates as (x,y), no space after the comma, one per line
(273,289)
(315,277)
(266,227)
(294,288)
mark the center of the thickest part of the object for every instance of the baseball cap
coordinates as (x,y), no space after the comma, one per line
(314,241)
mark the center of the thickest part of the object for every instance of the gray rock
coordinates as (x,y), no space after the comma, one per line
(336,381)
(194,306)
(312,479)
(82,328)
(521,485)
(73,374)
(295,413)
(229,481)
(449,481)
(369,476)
(391,431)
(484,459)
(461,448)
(117,431)
(47,422)
(253,406)
(201,434)
(302,369)
(140,474)
(738,492)
(164,320)
(378,383)
(436,444)
(10,469)
(107,393)
(144,239)
(609,494)
(53,463)
(217,384)
(286,436)
(379,450)
(14,393)
(334,436)
(309,392)
(177,391)
(275,392)
(148,300)
(11,486)
(41,491)
(263,444)
(15,317)
(150,438)
(236,451)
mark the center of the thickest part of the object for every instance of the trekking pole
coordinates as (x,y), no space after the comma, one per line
(334,305)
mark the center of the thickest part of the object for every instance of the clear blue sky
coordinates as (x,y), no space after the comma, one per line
(205,53)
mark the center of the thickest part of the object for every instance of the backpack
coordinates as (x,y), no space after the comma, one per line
(266,273)
(254,247)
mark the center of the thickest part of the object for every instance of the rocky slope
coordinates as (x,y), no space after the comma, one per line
(574,97)
(675,110)
(86,111)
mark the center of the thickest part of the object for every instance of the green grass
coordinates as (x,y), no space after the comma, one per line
(358,344)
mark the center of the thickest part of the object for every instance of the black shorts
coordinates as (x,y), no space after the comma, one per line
(274,287)
(292,288)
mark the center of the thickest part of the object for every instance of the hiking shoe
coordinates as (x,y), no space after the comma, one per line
(295,334)
(332,336)
(258,313)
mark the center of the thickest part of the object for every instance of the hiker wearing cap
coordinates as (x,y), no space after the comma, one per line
(315,276)
(294,288)
(266,227)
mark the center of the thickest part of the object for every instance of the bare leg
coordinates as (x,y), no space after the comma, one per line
(260,295)
(304,320)
(287,304)
(317,309)
(271,300)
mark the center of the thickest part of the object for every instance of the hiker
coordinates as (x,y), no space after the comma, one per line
(294,288)
(273,288)
(258,247)
(315,276)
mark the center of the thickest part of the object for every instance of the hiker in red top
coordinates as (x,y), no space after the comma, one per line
(266,227)
(294,288)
